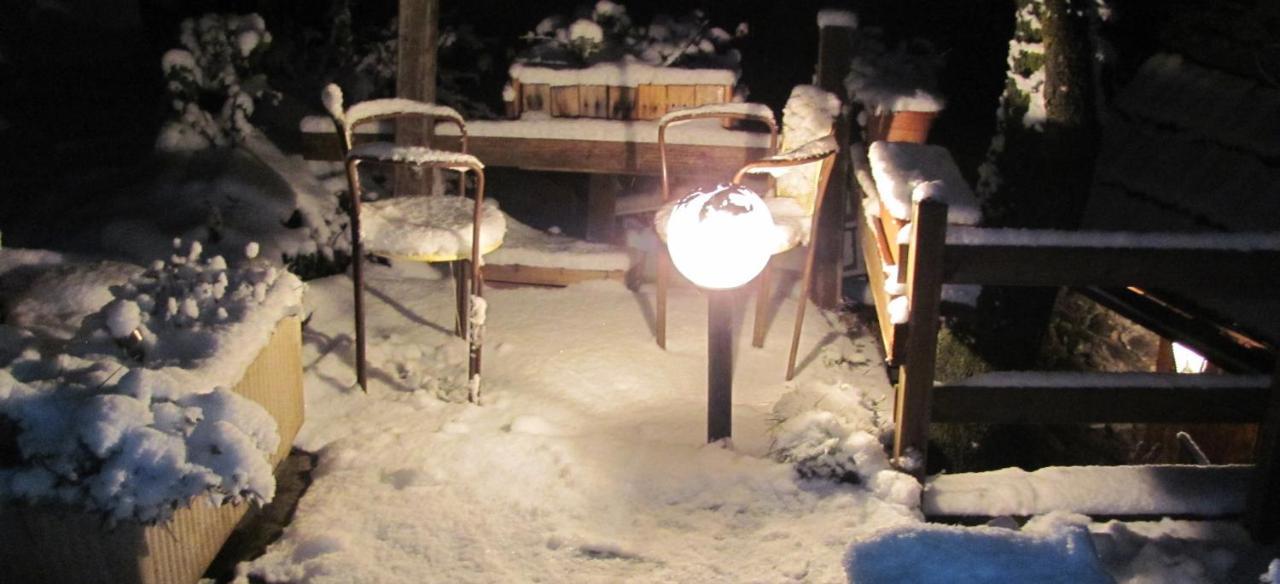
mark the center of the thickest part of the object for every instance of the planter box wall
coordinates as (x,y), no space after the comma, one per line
(615,102)
(39,545)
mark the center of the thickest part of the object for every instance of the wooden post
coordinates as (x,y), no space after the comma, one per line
(924,289)
(835,45)
(417,41)
(1263,519)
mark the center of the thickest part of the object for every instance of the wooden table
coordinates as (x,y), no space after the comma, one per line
(598,148)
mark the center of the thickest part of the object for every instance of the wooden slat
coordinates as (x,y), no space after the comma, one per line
(622,102)
(681,96)
(1243,274)
(540,276)
(565,101)
(892,335)
(535,97)
(593,101)
(651,101)
(588,156)
(924,287)
(1177,400)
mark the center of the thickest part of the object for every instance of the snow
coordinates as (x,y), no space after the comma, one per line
(526,246)
(362,112)
(894,81)
(947,554)
(1095,490)
(436,227)
(586,30)
(134,430)
(1073,379)
(907,173)
(808,115)
(1258,242)
(629,72)
(829,17)
(536,126)
(587,461)
(388,152)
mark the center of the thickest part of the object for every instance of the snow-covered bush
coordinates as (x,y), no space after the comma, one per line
(604,32)
(833,431)
(903,78)
(214,81)
(132,418)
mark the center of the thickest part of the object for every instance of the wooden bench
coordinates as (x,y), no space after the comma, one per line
(1237,264)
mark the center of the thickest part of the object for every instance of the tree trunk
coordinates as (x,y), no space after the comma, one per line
(417,43)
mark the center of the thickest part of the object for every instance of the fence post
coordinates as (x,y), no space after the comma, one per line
(835,49)
(1263,519)
(924,290)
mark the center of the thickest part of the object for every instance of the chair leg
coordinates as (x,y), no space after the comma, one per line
(357,274)
(475,338)
(664,277)
(458,270)
(762,304)
(801,304)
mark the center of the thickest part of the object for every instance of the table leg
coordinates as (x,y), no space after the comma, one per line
(602,191)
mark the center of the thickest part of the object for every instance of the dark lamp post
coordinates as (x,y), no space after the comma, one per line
(720,240)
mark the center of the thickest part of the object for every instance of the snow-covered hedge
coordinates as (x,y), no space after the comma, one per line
(887,80)
(132,418)
(218,63)
(604,32)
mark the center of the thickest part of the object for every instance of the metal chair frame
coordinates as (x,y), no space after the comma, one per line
(460,269)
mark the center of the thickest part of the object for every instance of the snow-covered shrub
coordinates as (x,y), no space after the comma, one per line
(903,78)
(214,81)
(136,434)
(604,32)
(1022,105)
(833,431)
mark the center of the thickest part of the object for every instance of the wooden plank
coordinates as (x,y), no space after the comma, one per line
(1263,518)
(892,335)
(681,96)
(651,101)
(1081,399)
(1142,263)
(541,276)
(708,94)
(512,109)
(924,288)
(589,156)
(892,227)
(622,102)
(535,97)
(565,102)
(593,101)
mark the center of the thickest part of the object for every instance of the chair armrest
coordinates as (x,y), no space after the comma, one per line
(807,153)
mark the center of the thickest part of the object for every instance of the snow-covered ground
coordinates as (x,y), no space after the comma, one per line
(586,461)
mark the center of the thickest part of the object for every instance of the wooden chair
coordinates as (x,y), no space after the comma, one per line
(726,111)
(795,217)
(418,228)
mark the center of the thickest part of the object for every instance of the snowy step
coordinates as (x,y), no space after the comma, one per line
(1022,397)
(1101,491)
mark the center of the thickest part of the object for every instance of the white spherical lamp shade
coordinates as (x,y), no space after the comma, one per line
(720,239)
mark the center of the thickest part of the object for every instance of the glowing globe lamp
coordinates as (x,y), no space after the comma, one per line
(720,239)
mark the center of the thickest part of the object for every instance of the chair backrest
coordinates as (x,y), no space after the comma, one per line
(808,164)
(371,111)
(721,111)
(808,117)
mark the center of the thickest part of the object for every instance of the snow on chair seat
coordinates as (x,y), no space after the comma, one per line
(388,152)
(905,172)
(429,229)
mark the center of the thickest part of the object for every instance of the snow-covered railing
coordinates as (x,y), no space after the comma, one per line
(1238,264)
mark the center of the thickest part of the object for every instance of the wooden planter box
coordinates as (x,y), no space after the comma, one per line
(643,102)
(55,545)
(905,126)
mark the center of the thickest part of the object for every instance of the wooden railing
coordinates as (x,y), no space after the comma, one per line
(1237,265)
